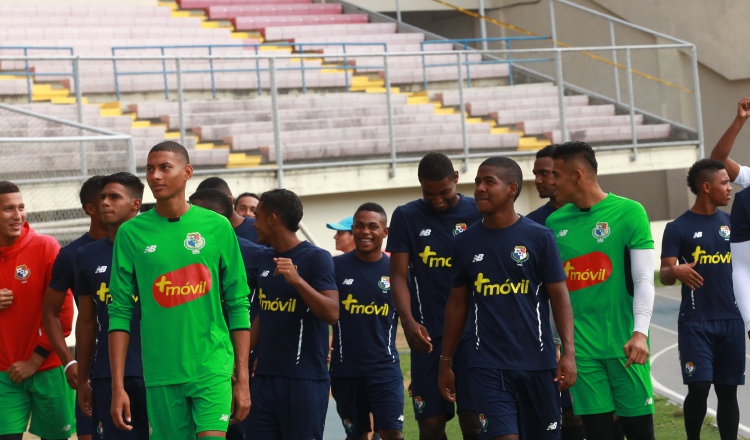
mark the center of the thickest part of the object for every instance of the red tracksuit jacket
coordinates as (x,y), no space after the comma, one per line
(25,269)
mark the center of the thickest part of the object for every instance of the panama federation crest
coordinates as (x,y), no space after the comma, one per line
(520,254)
(601,231)
(347,425)
(100,430)
(483,421)
(419,404)
(689,368)
(385,283)
(460,227)
(195,242)
(22,273)
(724,232)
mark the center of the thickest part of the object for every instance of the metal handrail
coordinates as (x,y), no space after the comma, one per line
(27,71)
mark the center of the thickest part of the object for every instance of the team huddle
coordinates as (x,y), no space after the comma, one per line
(195,321)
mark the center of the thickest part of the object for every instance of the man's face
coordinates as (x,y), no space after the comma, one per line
(564,181)
(166,174)
(262,224)
(344,241)
(246,206)
(441,194)
(720,189)
(369,230)
(543,177)
(12,216)
(490,192)
(117,205)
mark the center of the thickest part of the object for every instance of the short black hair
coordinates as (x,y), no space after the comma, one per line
(90,191)
(215,183)
(129,181)
(7,187)
(372,207)
(701,171)
(509,171)
(572,149)
(435,167)
(245,194)
(213,199)
(172,147)
(545,152)
(285,204)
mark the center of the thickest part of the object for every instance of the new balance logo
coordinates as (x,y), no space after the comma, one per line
(348,282)
(649,401)
(264,273)
(562,233)
(101,269)
(477,257)
(150,249)
(698,234)
(401,418)
(552,426)
(224,418)
(425,233)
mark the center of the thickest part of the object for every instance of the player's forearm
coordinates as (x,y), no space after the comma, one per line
(456,314)
(562,311)
(85,346)
(241,344)
(323,307)
(726,142)
(402,300)
(667,276)
(118,351)
(53,301)
(642,272)
(741,279)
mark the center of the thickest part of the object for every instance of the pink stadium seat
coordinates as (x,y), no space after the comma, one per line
(608,134)
(261,23)
(482,108)
(201,4)
(340,30)
(506,117)
(228,12)
(477,94)
(541,126)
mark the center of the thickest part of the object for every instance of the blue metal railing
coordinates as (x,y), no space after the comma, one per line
(466,42)
(258,69)
(27,71)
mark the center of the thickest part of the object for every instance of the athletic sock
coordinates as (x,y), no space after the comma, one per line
(638,428)
(573,433)
(599,426)
(727,411)
(472,436)
(619,435)
(694,408)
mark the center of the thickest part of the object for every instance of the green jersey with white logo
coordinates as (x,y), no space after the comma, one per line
(178,271)
(595,248)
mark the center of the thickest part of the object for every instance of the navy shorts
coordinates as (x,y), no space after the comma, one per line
(426,397)
(101,398)
(84,424)
(565,400)
(712,351)
(526,403)
(357,397)
(286,408)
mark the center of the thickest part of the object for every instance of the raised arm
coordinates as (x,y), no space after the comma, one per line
(726,142)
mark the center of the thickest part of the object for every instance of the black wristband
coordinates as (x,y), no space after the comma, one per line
(41,351)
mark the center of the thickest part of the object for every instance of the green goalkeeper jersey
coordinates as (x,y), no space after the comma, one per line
(594,246)
(179,271)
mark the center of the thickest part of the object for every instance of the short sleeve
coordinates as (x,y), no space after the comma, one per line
(670,243)
(459,274)
(551,267)
(63,275)
(740,218)
(743,177)
(398,234)
(81,287)
(640,236)
(323,271)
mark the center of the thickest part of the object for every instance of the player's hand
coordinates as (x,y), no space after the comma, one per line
(687,275)
(567,372)
(84,398)
(285,267)
(636,350)
(6,298)
(417,336)
(743,108)
(23,370)
(240,400)
(71,375)
(120,409)
(446,381)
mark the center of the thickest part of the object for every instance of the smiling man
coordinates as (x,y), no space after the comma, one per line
(183,261)
(608,254)
(420,240)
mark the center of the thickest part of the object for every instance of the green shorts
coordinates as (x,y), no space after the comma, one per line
(46,397)
(178,412)
(605,385)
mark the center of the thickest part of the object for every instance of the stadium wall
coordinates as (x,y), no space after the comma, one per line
(78,3)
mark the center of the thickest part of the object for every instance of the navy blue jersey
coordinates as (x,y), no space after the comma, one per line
(426,235)
(705,239)
(740,217)
(246,230)
(505,270)
(364,339)
(93,268)
(293,341)
(250,257)
(540,214)
(63,272)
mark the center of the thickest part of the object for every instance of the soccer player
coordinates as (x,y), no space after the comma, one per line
(365,371)
(63,282)
(738,174)
(502,263)
(243,226)
(343,237)
(32,378)
(246,204)
(298,301)
(543,181)
(419,240)
(608,255)
(121,196)
(216,201)
(182,260)
(695,250)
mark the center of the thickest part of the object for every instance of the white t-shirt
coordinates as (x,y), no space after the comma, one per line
(743,177)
